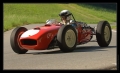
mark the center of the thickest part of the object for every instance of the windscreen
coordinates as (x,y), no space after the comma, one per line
(51,21)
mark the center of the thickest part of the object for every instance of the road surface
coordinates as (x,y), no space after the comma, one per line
(86,57)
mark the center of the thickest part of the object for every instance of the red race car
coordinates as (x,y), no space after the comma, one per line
(52,34)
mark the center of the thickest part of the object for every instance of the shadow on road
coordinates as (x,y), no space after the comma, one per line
(78,49)
(92,48)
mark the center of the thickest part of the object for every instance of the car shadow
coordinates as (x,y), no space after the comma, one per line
(92,48)
(78,49)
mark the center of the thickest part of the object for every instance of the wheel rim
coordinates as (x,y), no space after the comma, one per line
(107,33)
(70,38)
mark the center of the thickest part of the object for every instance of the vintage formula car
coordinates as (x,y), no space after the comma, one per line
(52,34)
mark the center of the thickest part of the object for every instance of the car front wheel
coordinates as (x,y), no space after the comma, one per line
(67,38)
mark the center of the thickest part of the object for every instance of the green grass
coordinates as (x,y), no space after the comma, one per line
(114,27)
(18,14)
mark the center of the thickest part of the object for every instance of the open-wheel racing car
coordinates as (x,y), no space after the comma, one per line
(52,34)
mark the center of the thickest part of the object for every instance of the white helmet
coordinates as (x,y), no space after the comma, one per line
(66,13)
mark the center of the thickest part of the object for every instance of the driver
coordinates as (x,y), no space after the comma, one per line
(66,18)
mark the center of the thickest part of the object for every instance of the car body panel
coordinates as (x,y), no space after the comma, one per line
(43,37)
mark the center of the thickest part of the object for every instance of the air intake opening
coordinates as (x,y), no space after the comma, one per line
(29,42)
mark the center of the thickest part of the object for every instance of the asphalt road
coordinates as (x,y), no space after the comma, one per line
(86,57)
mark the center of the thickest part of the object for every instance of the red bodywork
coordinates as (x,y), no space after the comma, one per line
(84,35)
(43,38)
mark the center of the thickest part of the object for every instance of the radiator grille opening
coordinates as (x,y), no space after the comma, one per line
(28,42)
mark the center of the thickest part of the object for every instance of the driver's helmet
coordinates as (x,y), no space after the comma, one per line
(65,15)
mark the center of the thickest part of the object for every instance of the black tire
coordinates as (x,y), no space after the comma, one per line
(63,42)
(13,40)
(103,33)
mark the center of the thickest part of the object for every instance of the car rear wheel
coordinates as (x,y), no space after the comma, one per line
(14,40)
(67,38)
(103,33)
